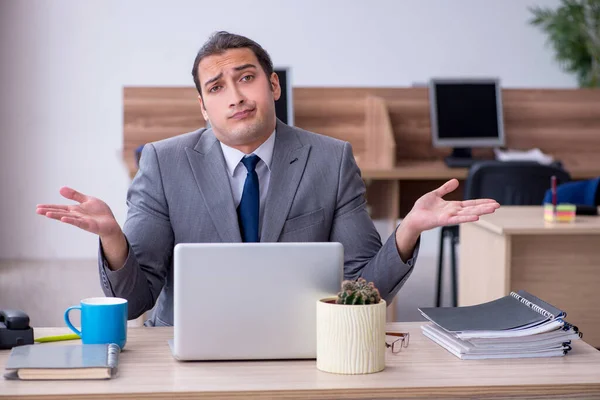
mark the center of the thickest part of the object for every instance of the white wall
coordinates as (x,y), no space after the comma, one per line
(65,63)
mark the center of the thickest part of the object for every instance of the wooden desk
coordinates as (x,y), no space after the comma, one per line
(147,370)
(515,249)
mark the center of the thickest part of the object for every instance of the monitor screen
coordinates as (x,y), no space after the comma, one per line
(466,113)
(284,109)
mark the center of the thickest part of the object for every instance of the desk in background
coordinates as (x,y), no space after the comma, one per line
(391,193)
(514,249)
(423,370)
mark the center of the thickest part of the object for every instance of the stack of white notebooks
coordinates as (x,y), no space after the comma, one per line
(519,325)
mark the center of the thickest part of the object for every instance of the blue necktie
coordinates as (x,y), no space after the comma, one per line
(249,208)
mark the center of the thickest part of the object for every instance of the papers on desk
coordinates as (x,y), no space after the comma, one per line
(523,155)
(519,325)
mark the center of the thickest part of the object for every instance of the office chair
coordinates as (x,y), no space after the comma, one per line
(522,183)
(509,183)
(586,193)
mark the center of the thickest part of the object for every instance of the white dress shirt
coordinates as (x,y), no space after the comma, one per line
(237,171)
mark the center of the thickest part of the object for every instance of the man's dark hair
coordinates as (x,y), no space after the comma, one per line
(222,41)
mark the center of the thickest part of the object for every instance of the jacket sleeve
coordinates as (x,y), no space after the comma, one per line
(149,239)
(364,254)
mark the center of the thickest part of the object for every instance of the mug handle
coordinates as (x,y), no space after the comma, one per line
(68,322)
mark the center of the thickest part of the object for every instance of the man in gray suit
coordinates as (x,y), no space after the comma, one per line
(247,178)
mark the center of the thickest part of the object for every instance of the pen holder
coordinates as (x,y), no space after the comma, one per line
(564,213)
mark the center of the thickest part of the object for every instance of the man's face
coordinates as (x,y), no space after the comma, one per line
(238,97)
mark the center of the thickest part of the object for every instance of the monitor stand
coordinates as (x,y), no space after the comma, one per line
(461,157)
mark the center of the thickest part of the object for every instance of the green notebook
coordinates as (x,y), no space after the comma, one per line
(63,362)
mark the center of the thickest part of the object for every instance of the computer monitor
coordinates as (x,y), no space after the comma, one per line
(465,113)
(284,107)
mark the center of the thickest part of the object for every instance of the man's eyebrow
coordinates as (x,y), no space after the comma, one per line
(241,67)
(211,80)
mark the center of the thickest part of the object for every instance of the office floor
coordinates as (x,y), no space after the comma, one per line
(45,288)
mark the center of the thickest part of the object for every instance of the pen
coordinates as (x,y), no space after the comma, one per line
(46,339)
(554,195)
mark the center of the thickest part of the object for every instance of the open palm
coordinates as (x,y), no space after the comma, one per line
(91,214)
(432,211)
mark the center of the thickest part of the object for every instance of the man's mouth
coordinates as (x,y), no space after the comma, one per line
(242,114)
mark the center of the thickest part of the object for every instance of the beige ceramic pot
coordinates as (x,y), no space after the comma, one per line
(350,338)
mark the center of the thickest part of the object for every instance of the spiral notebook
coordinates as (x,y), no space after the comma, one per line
(520,310)
(63,362)
(519,325)
(551,344)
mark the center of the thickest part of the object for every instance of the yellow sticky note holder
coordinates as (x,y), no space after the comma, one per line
(564,212)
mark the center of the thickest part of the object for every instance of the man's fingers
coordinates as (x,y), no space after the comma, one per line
(459,219)
(44,211)
(71,220)
(477,202)
(446,188)
(50,216)
(52,207)
(72,194)
(60,214)
(78,222)
(477,210)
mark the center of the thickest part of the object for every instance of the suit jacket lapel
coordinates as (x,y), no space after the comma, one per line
(287,167)
(210,172)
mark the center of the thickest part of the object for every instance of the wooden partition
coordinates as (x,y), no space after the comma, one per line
(564,123)
(151,114)
(390,132)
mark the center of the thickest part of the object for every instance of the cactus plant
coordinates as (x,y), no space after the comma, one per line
(358,292)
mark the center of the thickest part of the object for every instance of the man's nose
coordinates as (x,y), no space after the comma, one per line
(237,98)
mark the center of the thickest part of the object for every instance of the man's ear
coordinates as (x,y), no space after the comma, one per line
(275,86)
(203,108)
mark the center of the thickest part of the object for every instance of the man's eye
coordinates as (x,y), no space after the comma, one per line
(248,78)
(214,89)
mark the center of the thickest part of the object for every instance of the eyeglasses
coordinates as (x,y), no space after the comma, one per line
(398,344)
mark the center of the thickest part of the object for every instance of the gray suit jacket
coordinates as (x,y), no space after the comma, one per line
(181,194)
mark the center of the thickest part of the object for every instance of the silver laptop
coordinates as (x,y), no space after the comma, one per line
(250,301)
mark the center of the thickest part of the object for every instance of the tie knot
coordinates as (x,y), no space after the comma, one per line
(250,162)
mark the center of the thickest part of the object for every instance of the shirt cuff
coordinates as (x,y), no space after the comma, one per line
(411,261)
(115,276)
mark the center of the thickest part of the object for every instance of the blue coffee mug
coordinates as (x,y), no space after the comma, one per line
(103,320)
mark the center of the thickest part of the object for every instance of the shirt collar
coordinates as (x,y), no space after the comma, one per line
(234,156)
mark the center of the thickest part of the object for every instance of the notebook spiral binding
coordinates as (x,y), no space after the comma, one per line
(568,326)
(113,357)
(533,306)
